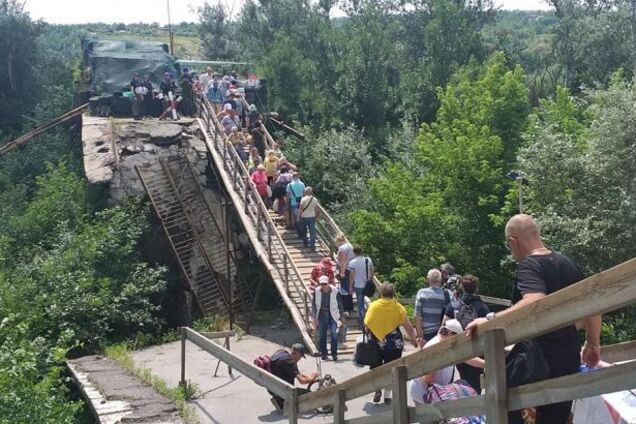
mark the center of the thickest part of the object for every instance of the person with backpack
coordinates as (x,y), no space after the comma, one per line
(284,365)
(295,191)
(360,271)
(430,304)
(465,308)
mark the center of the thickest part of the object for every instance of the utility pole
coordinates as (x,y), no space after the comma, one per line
(170,30)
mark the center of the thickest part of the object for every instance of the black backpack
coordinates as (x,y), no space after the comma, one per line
(464,313)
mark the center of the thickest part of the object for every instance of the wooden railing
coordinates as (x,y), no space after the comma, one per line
(266,240)
(223,354)
(604,292)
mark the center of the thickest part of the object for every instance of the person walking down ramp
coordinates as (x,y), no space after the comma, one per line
(327,316)
(383,321)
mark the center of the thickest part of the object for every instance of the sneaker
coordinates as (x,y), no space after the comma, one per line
(277,406)
(335,357)
(324,358)
(377,396)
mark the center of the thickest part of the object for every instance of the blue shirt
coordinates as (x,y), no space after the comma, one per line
(295,189)
(430,302)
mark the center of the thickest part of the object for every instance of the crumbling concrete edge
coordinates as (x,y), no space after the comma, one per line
(105,411)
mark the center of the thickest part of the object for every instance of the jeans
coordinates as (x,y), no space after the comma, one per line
(326,322)
(361,309)
(311,224)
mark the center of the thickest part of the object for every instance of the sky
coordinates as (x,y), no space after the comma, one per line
(130,11)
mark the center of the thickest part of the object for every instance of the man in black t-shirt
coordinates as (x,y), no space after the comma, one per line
(285,367)
(541,272)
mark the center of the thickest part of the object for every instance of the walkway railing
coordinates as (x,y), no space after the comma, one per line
(604,292)
(257,375)
(262,231)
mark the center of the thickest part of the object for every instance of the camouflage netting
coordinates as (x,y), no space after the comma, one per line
(112,63)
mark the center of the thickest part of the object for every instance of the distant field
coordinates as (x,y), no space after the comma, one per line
(186,47)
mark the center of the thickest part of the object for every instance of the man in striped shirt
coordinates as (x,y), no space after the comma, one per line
(430,302)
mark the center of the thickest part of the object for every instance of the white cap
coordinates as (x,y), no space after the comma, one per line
(227,106)
(453,325)
(323,279)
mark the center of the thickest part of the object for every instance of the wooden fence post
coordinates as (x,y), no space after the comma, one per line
(183,353)
(227,346)
(495,376)
(292,409)
(400,398)
(339,406)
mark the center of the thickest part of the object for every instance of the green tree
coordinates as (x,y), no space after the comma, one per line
(216,32)
(445,206)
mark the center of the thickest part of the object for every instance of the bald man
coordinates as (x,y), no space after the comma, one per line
(541,272)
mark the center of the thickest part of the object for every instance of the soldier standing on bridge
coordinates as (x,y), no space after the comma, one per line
(541,272)
(137,88)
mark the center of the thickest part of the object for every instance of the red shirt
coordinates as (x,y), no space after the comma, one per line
(319,271)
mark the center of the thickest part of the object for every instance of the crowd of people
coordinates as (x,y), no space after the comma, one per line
(449,306)
(178,96)
(446,307)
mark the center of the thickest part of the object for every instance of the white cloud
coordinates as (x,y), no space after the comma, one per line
(130,11)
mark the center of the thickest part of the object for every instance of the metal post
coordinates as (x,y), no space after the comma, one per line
(170,30)
(306,306)
(183,382)
(286,274)
(291,405)
(400,398)
(269,241)
(520,192)
(495,373)
(248,186)
(227,346)
(226,221)
(258,222)
(339,406)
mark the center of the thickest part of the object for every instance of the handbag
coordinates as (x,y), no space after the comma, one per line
(367,352)
(526,364)
(369,286)
(458,390)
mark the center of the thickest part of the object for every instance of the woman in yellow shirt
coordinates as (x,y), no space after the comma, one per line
(382,322)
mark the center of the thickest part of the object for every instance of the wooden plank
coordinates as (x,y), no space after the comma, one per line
(400,396)
(218,334)
(487,299)
(432,413)
(259,376)
(619,352)
(291,406)
(42,129)
(575,386)
(339,407)
(598,294)
(495,373)
(429,413)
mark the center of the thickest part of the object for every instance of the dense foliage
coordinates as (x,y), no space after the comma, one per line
(71,276)
(443,99)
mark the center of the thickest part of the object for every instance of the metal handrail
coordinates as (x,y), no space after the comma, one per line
(251,194)
(206,258)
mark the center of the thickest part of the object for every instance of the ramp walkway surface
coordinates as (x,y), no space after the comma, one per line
(282,253)
(234,399)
